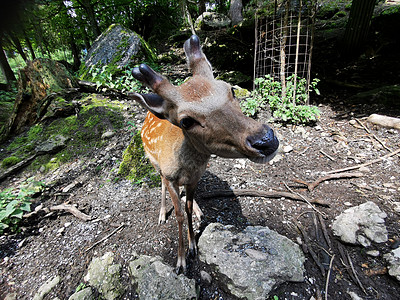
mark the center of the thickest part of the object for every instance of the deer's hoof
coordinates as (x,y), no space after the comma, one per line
(180,270)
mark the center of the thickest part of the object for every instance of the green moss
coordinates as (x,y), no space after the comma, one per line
(135,166)
(10,161)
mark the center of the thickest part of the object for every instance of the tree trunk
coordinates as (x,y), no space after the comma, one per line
(357,26)
(202,6)
(17,45)
(235,11)
(90,13)
(75,53)
(5,66)
(29,44)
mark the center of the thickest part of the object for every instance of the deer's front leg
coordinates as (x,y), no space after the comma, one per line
(190,189)
(163,210)
(173,190)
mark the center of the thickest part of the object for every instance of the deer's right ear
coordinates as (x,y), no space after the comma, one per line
(152,102)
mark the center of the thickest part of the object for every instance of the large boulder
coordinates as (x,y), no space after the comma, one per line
(38,83)
(211,21)
(254,261)
(119,47)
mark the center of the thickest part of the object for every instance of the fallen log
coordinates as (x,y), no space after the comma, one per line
(384,121)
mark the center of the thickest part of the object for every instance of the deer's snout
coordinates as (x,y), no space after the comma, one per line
(266,143)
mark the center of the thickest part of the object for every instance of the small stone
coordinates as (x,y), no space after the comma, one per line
(107,135)
(205,277)
(287,149)
(373,253)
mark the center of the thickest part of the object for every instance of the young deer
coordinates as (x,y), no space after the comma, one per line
(186,124)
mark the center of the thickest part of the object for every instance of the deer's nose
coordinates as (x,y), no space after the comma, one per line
(267,144)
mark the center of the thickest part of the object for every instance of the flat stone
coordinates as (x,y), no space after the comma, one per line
(255,260)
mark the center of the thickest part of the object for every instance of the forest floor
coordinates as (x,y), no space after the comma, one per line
(59,243)
(62,244)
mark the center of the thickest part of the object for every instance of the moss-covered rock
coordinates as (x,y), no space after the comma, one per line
(135,166)
(120,47)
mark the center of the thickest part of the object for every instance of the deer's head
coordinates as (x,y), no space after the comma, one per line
(206,110)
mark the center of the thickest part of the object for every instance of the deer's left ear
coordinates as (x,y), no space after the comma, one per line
(152,102)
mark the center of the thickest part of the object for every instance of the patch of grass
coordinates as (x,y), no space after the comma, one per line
(135,166)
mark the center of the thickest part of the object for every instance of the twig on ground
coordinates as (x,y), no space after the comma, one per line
(73,210)
(106,237)
(265,194)
(328,276)
(373,135)
(365,164)
(325,231)
(67,207)
(305,199)
(310,250)
(311,186)
(355,274)
(327,155)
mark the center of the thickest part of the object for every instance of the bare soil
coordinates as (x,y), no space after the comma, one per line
(57,244)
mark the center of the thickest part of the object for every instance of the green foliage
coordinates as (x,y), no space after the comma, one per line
(109,77)
(135,166)
(10,161)
(14,204)
(291,108)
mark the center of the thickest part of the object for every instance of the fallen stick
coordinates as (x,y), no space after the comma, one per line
(328,276)
(73,210)
(106,237)
(306,200)
(264,194)
(311,186)
(365,164)
(373,135)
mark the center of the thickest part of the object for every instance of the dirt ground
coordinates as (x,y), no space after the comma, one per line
(58,244)
(62,244)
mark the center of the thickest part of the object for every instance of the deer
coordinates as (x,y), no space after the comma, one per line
(188,123)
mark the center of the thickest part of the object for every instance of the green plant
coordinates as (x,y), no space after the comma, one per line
(111,78)
(13,205)
(291,107)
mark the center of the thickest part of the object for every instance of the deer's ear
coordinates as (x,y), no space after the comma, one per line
(152,102)
(196,59)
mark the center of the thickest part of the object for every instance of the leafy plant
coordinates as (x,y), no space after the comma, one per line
(13,205)
(292,107)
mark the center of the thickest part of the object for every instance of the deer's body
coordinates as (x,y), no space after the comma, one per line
(186,124)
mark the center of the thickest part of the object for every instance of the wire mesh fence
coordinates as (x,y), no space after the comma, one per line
(284,39)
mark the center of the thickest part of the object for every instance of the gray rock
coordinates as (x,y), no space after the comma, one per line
(46,288)
(393,259)
(361,224)
(156,280)
(85,294)
(105,276)
(117,45)
(107,135)
(255,260)
(52,145)
(211,21)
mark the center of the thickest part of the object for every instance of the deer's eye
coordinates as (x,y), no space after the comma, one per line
(187,123)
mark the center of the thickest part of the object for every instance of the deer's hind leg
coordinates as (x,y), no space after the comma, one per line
(163,209)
